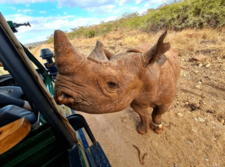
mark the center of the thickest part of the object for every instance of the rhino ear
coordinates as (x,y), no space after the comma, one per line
(108,54)
(98,54)
(156,53)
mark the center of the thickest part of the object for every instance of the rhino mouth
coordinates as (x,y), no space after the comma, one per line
(71,99)
(65,98)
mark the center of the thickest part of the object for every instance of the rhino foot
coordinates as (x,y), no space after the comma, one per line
(142,128)
(156,128)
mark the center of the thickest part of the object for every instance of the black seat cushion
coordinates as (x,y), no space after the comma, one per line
(12,113)
(11,91)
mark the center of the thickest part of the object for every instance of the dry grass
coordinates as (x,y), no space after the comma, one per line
(206,41)
(136,40)
(189,41)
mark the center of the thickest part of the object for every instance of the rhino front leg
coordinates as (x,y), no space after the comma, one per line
(157,113)
(143,126)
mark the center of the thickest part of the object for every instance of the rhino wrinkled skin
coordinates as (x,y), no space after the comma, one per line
(142,77)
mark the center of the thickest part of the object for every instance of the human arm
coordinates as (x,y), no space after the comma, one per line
(6,100)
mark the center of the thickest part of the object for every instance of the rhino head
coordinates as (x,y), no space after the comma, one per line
(101,82)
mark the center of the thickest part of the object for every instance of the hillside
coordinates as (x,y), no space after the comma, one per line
(195,14)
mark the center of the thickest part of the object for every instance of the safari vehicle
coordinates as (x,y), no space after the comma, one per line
(55,138)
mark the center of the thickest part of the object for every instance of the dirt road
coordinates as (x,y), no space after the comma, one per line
(190,139)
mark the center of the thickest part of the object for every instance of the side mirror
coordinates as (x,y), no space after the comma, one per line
(47,55)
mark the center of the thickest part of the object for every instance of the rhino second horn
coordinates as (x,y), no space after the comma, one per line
(66,56)
(98,53)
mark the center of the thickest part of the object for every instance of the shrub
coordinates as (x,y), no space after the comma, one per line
(90,33)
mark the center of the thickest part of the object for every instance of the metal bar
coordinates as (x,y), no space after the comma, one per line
(77,122)
(12,61)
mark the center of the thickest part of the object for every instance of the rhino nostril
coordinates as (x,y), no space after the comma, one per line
(60,98)
(68,96)
(64,97)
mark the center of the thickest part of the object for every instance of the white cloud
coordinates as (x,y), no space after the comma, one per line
(102,9)
(117,11)
(23,1)
(80,3)
(24,10)
(71,3)
(86,3)
(65,13)
(146,5)
(154,2)
(27,10)
(111,18)
(42,12)
(142,12)
(135,8)
(27,5)
(46,25)
(137,2)
(129,9)
(101,3)
(122,2)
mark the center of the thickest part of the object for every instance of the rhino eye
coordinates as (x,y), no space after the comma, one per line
(111,84)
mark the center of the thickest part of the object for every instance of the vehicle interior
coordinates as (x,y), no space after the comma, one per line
(47,135)
(10,88)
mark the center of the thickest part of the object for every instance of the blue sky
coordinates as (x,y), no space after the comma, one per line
(45,16)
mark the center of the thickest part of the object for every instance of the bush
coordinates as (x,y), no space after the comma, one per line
(187,14)
(50,40)
(90,33)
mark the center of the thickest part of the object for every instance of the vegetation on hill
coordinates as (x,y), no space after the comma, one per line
(176,16)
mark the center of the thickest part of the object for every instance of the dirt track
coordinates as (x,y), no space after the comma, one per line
(194,126)
(186,143)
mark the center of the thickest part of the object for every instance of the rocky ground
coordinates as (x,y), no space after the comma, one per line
(194,132)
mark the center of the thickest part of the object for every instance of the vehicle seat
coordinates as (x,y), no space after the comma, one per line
(12,113)
(11,91)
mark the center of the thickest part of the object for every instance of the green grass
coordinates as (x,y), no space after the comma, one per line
(175,16)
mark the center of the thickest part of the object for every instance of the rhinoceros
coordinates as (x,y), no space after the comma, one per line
(141,77)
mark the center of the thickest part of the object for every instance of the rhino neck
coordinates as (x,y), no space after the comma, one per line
(153,72)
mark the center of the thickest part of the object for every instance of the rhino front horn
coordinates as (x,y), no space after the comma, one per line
(66,56)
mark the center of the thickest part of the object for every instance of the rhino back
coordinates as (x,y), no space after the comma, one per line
(173,62)
(159,83)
